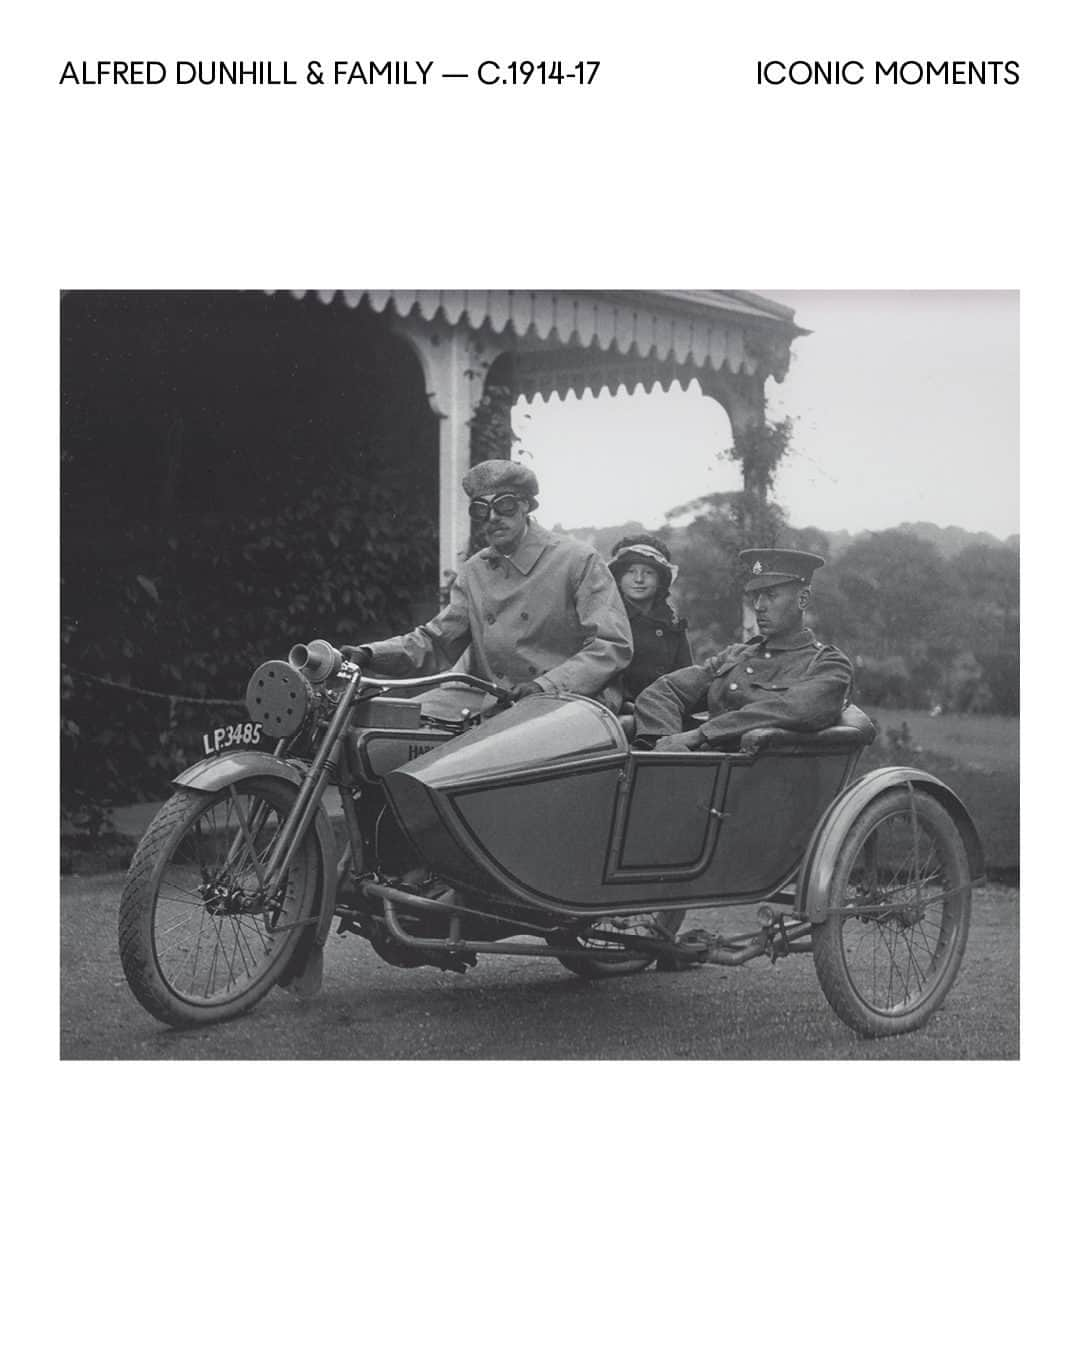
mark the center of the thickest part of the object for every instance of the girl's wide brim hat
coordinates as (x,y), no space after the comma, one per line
(647,556)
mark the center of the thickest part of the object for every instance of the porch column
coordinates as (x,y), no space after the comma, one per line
(455,362)
(743,399)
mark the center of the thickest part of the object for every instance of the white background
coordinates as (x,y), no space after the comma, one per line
(892,1204)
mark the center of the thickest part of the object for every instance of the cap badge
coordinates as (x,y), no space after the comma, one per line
(756,570)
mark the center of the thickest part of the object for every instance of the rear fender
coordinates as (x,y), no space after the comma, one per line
(211,775)
(819,862)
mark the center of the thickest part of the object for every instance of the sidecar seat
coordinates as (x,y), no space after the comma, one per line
(853,729)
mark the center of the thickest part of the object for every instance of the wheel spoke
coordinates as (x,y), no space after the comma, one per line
(213,935)
(899,915)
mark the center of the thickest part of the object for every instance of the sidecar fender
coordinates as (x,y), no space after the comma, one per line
(819,861)
(211,775)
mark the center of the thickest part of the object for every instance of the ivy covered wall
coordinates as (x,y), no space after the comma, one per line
(238,472)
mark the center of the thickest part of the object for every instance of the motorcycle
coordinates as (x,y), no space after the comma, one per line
(535,829)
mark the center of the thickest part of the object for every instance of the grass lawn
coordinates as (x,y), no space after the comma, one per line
(977,756)
(974,739)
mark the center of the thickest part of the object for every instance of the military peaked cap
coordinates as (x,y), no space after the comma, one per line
(778,566)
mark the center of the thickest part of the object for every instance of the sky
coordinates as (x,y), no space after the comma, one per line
(905,403)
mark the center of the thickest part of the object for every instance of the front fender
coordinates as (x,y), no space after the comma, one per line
(819,861)
(211,775)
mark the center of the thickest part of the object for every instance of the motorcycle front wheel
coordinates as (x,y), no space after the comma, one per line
(200,941)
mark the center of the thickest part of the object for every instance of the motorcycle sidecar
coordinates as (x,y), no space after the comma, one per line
(547,805)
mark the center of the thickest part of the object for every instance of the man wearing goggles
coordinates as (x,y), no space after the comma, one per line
(536,612)
(506,504)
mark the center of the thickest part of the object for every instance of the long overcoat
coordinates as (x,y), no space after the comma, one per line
(550,614)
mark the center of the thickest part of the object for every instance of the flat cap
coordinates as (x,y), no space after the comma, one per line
(501,475)
(778,566)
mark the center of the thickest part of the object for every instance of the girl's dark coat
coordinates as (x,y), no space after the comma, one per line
(660,646)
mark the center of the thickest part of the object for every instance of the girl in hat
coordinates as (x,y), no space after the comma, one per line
(641,565)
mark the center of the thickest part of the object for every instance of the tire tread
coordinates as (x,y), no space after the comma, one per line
(136,910)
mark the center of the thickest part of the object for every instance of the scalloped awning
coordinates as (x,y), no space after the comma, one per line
(573,340)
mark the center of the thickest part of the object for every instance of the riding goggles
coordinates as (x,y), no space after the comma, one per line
(505,504)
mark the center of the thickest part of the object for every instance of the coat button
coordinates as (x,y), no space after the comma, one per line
(749,670)
(490,618)
(733,686)
(659,632)
(524,615)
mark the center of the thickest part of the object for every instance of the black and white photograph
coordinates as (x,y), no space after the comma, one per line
(588,655)
(537,807)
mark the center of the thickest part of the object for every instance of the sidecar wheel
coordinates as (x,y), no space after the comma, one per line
(596,968)
(902,894)
(196,944)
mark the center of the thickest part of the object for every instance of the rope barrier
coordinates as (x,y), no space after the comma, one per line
(154,693)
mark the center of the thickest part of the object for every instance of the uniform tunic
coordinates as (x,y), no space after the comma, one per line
(794,682)
(660,645)
(550,614)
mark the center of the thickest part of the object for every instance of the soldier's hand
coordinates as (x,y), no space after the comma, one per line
(519,691)
(685,740)
(359,656)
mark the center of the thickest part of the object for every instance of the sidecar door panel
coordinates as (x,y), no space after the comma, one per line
(670,820)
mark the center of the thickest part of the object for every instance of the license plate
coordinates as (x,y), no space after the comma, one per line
(229,738)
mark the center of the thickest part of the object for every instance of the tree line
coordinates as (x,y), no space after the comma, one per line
(923,630)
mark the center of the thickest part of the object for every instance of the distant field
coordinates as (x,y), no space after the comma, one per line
(980,742)
(978,757)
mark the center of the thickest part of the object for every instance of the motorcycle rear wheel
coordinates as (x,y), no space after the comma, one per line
(197,943)
(901,899)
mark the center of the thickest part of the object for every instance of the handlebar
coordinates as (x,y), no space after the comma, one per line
(320,661)
(458,677)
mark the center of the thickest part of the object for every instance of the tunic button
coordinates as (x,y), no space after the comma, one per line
(659,632)
(733,686)
(749,670)
(524,615)
(490,618)
(766,655)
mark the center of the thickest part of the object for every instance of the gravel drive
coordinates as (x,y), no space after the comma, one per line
(521,1008)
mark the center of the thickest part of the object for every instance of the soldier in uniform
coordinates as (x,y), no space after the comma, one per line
(537,612)
(784,677)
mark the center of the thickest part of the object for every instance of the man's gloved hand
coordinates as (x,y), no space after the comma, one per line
(359,656)
(685,740)
(518,691)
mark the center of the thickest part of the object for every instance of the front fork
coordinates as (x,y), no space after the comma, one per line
(310,794)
